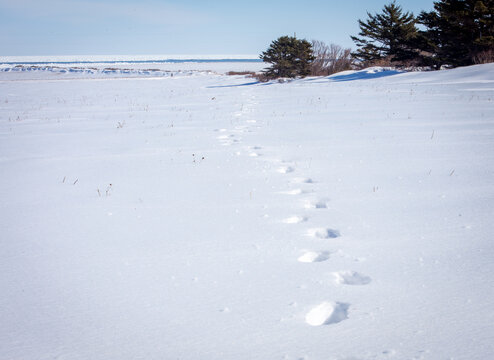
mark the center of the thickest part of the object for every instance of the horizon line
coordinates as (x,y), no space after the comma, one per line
(126,57)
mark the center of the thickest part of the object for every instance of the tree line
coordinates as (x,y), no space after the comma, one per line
(454,33)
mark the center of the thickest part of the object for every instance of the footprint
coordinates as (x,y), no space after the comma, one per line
(293,192)
(327,313)
(285,169)
(318,204)
(229,142)
(302,180)
(323,233)
(350,278)
(224,137)
(254,154)
(294,219)
(314,256)
(241,128)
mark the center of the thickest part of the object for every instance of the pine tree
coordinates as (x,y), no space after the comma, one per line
(458,30)
(388,35)
(289,56)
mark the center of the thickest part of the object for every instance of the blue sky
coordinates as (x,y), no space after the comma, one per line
(147,27)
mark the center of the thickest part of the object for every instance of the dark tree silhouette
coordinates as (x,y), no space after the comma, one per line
(459,32)
(387,35)
(289,56)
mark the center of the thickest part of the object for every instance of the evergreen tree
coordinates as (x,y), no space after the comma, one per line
(289,56)
(388,35)
(458,31)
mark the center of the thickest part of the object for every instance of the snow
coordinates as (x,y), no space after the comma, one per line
(201,216)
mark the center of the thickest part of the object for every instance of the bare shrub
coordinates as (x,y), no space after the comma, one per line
(484,57)
(330,59)
(251,73)
(261,77)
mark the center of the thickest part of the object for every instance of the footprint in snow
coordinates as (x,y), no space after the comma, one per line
(295,219)
(323,233)
(302,180)
(294,192)
(225,137)
(327,313)
(350,278)
(254,154)
(314,256)
(229,142)
(318,204)
(285,169)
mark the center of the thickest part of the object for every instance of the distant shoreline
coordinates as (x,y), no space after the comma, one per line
(170,61)
(141,67)
(121,59)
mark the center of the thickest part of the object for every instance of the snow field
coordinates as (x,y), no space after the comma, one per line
(208,216)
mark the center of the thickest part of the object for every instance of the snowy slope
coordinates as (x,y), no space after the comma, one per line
(202,216)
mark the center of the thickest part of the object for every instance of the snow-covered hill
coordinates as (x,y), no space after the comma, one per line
(203,216)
